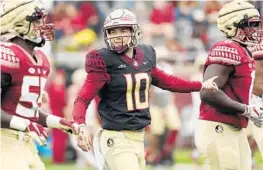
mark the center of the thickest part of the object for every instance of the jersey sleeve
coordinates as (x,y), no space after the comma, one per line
(224,54)
(173,83)
(10,61)
(95,62)
(97,77)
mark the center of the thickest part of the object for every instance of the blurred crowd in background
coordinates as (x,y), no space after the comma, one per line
(180,31)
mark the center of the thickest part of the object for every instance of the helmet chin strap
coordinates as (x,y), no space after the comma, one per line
(39,43)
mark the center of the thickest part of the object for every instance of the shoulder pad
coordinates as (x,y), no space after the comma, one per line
(225,53)
(257,52)
(149,52)
(42,54)
(95,62)
(8,56)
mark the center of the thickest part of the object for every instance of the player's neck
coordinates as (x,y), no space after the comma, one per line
(26,46)
(130,53)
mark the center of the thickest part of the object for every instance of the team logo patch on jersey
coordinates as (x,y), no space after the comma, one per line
(219,129)
(110,142)
(145,62)
(135,63)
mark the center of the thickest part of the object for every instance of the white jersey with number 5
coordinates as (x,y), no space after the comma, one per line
(29,77)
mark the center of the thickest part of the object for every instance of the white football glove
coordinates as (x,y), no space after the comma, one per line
(255,114)
(38,133)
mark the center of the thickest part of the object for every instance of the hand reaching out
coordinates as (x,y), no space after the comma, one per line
(210,84)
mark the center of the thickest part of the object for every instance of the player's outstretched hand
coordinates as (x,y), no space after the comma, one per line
(255,114)
(38,133)
(210,84)
(84,138)
(69,126)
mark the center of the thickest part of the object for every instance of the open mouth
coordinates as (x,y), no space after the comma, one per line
(118,44)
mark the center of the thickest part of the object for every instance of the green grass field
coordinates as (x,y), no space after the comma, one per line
(182,156)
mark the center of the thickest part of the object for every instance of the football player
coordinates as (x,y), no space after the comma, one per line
(24,73)
(121,75)
(220,132)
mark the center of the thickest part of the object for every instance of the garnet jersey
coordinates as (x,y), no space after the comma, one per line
(123,86)
(239,84)
(29,77)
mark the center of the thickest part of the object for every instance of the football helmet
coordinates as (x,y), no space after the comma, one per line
(122,18)
(25,19)
(240,20)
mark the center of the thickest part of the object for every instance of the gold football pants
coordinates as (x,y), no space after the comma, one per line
(224,147)
(18,152)
(122,150)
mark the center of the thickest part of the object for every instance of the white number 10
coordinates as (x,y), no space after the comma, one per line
(34,98)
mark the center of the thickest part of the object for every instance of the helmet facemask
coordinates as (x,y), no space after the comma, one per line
(249,31)
(132,42)
(39,31)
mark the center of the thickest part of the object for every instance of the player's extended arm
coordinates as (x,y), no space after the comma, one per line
(97,76)
(219,99)
(258,84)
(92,85)
(52,121)
(176,84)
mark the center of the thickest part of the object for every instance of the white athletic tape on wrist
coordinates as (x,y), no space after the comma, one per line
(53,121)
(19,123)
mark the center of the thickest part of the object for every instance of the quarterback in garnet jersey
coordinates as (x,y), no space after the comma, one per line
(121,75)
(24,72)
(220,133)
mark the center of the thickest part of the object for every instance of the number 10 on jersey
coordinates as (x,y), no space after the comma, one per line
(134,100)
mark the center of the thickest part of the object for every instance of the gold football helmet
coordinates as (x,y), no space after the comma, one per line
(240,20)
(25,19)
